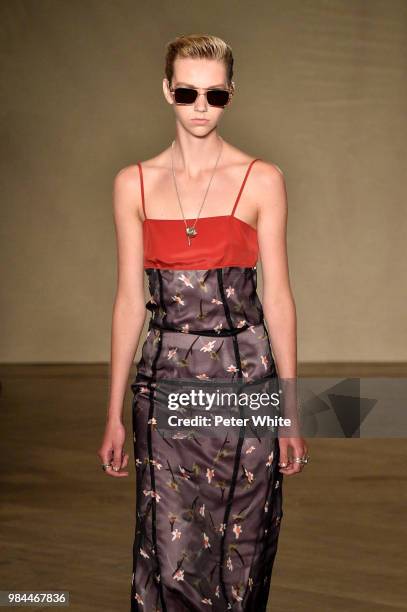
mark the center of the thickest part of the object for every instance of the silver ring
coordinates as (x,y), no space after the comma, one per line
(105,466)
(301,460)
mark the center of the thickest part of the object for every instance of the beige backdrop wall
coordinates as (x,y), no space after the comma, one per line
(321,92)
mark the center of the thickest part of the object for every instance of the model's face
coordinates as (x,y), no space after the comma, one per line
(199,74)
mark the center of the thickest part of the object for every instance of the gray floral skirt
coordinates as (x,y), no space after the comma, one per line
(208,507)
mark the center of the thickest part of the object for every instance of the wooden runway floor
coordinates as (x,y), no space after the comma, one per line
(65,525)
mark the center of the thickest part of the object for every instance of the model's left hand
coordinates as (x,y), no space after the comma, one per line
(290,448)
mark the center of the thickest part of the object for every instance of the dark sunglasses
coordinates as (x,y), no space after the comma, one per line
(188,95)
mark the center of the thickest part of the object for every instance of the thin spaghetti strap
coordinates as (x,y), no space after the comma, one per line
(142,189)
(243,184)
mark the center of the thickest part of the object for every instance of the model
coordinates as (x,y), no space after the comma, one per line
(195,219)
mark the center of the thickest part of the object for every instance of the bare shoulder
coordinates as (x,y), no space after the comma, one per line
(269,186)
(266,184)
(131,174)
(268,171)
(127,191)
(131,181)
(127,177)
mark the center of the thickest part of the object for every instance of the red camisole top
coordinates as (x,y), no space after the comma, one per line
(222,240)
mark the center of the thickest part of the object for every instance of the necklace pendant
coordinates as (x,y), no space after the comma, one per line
(191,231)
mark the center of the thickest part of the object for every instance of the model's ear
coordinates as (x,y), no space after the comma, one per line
(166,90)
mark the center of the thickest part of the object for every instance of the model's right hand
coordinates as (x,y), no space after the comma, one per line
(112,451)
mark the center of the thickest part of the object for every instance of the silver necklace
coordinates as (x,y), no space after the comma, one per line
(191,230)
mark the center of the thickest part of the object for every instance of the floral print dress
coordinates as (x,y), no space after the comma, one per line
(208,507)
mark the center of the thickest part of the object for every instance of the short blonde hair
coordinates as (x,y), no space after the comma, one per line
(198,46)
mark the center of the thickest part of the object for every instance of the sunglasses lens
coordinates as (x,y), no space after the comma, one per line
(184,95)
(218,97)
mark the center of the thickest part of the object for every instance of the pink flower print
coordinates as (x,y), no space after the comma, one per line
(184,473)
(277,484)
(245,374)
(179,575)
(206,600)
(157,465)
(229,291)
(152,421)
(231,368)
(222,528)
(249,475)
(180,435)
(266,507)
(218,327)
(178,299)
(156,495)
(217,591)
(139,599)
(202,510)
(210,473)
(185,280)
(216,301)
(172,352)
(241,323)
(148,492)
(237,530)
(236,593)
(250,582)
(264,361)
(176,534)
(208,347)
(250,450)
(252,329)
(202,376)
(185,328)
(144,554)
(138,461)
(207,544)
(229,563)
(270,459)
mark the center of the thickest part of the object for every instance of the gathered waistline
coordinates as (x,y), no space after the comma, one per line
(205,332)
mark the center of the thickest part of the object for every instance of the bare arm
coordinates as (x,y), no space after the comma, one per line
(129,311)
(279,308)
(129,306)
(278,302)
